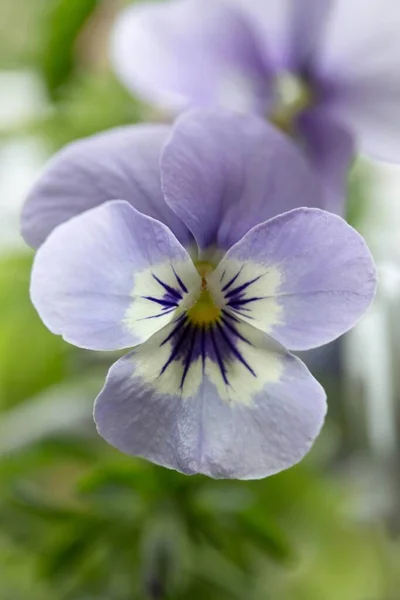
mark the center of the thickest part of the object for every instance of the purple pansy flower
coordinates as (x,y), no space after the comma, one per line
(166,240)
(328,71)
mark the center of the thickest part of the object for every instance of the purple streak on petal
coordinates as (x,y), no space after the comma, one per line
(188,358)
(183,337)
(172,292)
(232,347)
(217,342)
(181,322)
(161,301)
(241,302)
(230,316)
(165,312)
(224,173)
(217,355)
(180,282)
(231,281)
(231,327)
(186,347)
(203,353)
(241,288)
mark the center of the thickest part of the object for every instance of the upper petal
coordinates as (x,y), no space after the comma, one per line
(289,29)
(223,173)
(304,277)
(121,164)
(183,52)
(360,68)
(233,423)
(111,277)
(358,53)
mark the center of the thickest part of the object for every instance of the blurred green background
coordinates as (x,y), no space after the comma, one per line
(79,520)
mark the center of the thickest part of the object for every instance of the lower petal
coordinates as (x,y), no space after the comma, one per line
(255,417)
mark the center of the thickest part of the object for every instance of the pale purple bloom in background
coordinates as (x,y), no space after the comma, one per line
(328,71)
(166,240)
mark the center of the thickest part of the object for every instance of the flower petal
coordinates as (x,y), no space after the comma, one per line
(111,277)
(281,25)
(184,52)
(304,277)
(223,173)
(371,111)
(119,164)
(360,67)
(331,149)
(222,430)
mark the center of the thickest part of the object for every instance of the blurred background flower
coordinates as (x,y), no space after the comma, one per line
(334,87)
(80,521)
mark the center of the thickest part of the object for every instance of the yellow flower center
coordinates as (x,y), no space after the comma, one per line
(204,268)
(204,311)
(293,96)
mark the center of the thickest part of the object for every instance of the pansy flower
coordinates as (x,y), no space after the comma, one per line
(327,71)
(168,241)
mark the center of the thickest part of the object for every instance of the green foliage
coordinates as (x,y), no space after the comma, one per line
(63,23)
(359,181)
(103,525)
(156,529)
(31,358)
(91,104)
(20,29)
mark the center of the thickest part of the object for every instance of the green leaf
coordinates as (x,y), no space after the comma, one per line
(68,555)
(265,534)
(64,21)
(165,553)
(29,501)
(92,103)
(31,358)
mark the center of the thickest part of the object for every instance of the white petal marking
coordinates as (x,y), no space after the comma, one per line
(144,316)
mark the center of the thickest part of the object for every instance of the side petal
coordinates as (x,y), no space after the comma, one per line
(111,277)
(119,164)
(371,111)
(290,30)
(223,430)
(304,277)
(223,173)
(190,52)
(360,68)
(331,149)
